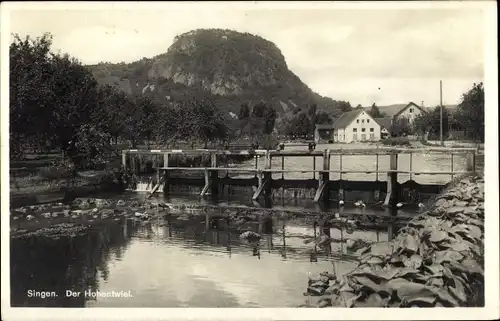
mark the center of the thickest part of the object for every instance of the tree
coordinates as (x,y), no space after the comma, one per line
(470,111)
(400,127)
(323,118)
(269,119)
(311,113)
(259,110)
(343,105)
(208,124)
(112,101)
(375,111)
(53,99)
(429,124)
(300,125)
(244,112)
(359,106)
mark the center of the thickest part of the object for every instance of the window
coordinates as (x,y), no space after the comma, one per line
(411,110)
(357,121)
(372,136)
(354,129)
(363,136)
(363,121)
(355,137)
(371,130)
(363,129)
(367,120)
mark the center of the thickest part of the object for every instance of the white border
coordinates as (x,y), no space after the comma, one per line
(492,308)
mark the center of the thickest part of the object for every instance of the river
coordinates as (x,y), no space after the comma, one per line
(182,262)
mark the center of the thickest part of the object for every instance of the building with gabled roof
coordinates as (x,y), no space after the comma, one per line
(409,112)
(356,125)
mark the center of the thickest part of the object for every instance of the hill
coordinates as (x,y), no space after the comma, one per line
(226,66)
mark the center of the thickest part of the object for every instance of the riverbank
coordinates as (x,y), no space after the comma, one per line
(84,212)
(437,260)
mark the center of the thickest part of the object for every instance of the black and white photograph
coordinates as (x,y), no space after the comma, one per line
(290,157)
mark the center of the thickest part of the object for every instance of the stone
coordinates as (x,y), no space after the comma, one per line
(47,215)
(325,302)
(66,212)
(442,203)
(455,210)
(250,236)
(121,203)
(108,212)
(316,291)
(460,204)
(84,205)
(101,202)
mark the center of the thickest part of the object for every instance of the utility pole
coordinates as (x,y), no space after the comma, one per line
(441,111)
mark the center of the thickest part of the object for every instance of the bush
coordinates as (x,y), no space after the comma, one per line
(58,170)
(396,141)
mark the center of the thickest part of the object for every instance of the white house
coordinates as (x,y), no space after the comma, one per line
(356,125)
(409,112)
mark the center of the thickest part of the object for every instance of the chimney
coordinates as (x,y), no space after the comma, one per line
(422,104)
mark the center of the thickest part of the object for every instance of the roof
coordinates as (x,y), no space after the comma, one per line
(324,126)
(410,104)
(346,118)
(385,122)
(390,110)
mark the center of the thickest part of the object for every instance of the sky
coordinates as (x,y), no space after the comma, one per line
(374,55)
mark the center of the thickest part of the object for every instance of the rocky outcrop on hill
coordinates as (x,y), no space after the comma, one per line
(437,260)
(225,66)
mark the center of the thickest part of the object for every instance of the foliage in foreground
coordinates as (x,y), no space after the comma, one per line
(436,261)
(396,141)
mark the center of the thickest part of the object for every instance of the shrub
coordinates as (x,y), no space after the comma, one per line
(58,170)
(396,141)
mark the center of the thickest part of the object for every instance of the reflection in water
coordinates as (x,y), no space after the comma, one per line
(77,264)
(189,262)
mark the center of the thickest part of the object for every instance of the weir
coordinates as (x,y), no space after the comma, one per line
(161,171)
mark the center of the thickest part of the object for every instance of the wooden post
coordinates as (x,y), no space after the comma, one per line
(452,166)
(166,186)
(268,176)
(314,167)
(282,167)
(322,193)
(341,186)
(133,164)
(214,175)
(392,180)
(124,160)
(157,165)
(411,166)
(471,162)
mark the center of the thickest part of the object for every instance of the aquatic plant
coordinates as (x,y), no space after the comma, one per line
(437,260)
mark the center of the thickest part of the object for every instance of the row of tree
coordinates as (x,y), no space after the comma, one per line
(55,103)
(467,120)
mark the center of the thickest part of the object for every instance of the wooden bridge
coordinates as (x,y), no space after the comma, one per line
(263,182)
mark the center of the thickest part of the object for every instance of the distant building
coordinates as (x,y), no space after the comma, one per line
(323,133)
(385,126)
(356,125)
(409,112)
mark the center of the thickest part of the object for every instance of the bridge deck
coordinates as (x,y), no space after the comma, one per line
(257,170)
(299,153)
